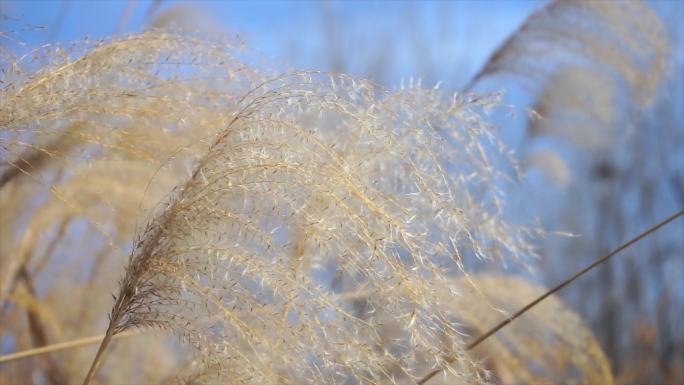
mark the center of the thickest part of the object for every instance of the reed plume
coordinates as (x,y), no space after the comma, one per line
(324,201)
(126,106)
(92,135)
(588,64)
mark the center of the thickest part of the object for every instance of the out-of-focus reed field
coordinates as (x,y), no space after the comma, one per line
(209,216)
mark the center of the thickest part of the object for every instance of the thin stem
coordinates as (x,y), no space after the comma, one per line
(64,346)
(122,301)
(556,288)
(100,354)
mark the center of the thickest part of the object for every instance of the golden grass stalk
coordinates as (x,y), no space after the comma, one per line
(65,345)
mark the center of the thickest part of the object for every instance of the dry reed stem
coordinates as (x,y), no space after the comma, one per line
(560,286)
(65,345)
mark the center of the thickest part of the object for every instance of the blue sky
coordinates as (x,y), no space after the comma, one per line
(441,41)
